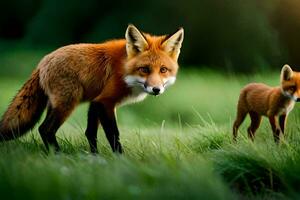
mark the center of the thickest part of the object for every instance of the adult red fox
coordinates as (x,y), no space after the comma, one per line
(107,75)
(258,99)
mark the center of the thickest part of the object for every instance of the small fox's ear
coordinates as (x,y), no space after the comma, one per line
(286,73)
(136,41)
(173,42)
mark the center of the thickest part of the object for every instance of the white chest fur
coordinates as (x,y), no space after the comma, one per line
(137,94)
(287,108)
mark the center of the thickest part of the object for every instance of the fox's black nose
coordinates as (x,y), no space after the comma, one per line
(156,90)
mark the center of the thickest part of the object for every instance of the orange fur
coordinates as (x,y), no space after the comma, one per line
(258,99)
(95,73)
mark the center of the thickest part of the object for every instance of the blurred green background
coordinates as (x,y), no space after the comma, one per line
(234,36)
(225,41)
(178,145)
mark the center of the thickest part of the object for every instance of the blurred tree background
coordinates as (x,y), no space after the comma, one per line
(231,35)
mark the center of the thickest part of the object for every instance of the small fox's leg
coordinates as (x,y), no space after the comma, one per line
(241,114)
(255,122)
(92,126)
(282,121)
(275,128)
(109,124)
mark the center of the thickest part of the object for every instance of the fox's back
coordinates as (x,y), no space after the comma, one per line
(89,64)
(256,97)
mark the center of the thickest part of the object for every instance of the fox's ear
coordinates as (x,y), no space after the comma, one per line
(173,42)
(136,41)
(286,73)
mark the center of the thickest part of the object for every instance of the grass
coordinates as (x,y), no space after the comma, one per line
(177,146)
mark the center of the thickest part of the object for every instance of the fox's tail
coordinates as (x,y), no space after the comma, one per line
(25,109)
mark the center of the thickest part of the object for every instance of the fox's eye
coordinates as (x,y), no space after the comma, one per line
(145,70)
(292,88)
(163,70)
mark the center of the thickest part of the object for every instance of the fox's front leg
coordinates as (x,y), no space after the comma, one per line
(282,122)
(92,126)
(275,128)
(109,123)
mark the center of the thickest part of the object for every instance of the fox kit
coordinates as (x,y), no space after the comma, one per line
(259,100)
(106,75)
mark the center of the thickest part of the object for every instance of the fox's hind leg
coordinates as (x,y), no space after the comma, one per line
(241,114)
(255,122)
(64,95)
(49,127)
(54,119)
(92,126)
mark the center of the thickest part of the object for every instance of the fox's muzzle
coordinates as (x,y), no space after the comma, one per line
(140,82)
(156,90)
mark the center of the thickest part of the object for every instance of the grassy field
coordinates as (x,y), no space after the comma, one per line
(177,146)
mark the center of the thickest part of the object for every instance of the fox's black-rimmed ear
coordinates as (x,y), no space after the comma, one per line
(286,72)
(173,42)
(136,41)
